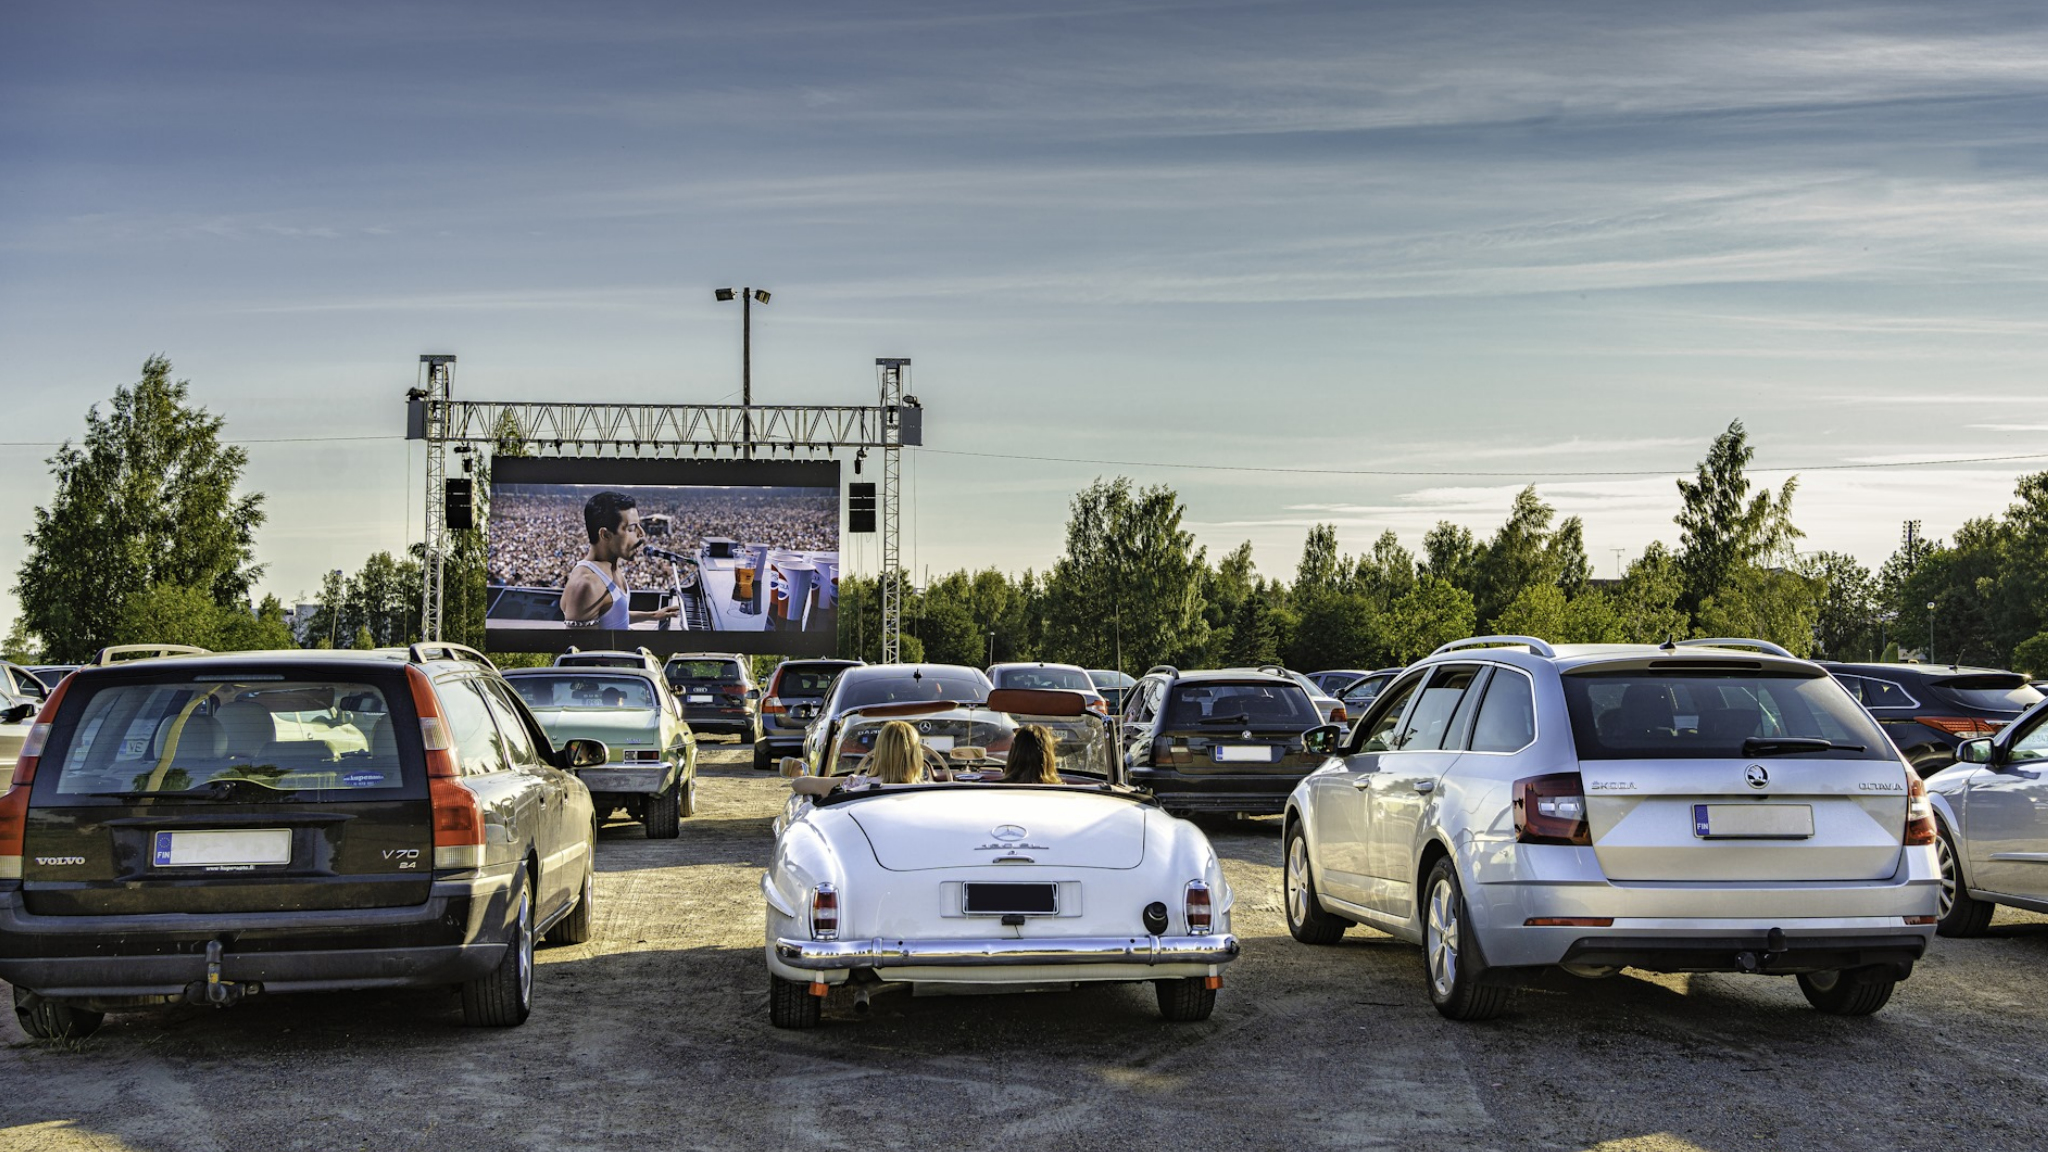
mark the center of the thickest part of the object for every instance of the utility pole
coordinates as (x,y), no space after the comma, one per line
(747,297)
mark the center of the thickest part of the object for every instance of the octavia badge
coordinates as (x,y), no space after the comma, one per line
(1008,832)
(1756,776)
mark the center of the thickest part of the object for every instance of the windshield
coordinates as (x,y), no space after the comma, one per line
(1215,705)
(1693,715)
(584,691)
(976,738)
(1058,679)
(225,739)
(894,687)
(807,682)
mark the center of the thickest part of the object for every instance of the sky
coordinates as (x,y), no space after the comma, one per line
(1368,264)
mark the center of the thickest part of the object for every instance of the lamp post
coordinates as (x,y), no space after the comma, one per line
(747,297)
(1930,631)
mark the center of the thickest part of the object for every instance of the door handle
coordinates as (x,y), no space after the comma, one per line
(1425,785)
(1362,783)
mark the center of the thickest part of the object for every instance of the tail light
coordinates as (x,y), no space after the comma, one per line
(1168,754)
(825,913)
(14,804)
(772,707)
(1098,705)
(1551,809)
(1338,715)
(1963,727)
(458,814)
(734,690)
(1201,915)
(1919,812)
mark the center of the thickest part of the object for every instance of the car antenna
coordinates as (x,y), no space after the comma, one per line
(1670,643)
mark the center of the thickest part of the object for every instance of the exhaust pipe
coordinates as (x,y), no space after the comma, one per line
(860,1000)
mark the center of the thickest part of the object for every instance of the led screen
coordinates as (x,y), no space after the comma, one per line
(670,555)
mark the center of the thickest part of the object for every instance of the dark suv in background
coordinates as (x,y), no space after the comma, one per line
(794,693)
(718,693)
(206,828)
(1221,741)
(1928,709)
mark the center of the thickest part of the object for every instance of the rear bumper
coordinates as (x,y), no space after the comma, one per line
(624,781)
(1750,950)
(1257,795)
(839,955)
(459,934)
(729,721)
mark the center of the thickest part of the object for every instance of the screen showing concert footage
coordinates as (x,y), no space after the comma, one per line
(669,555)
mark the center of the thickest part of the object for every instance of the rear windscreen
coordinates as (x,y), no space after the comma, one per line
(584,691)
(890,689)
(806,682)
(1057,679)
(1991,693)
(1198,705)
(704,672)
(233,740)
(1700,715)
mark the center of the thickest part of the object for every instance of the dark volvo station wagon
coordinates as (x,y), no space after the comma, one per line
(207,828)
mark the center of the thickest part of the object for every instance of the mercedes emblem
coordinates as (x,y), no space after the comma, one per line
(1008,832)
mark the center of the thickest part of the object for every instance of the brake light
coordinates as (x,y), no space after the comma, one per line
(825,913)
(1200,914)
(1098,705)
(734,689)
(1167,754)
(1919,812)
(1338,715)
(1551,809)
(772,707)
(458,814)
(14,805)
(1963,727)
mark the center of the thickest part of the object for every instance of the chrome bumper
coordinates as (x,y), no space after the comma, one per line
(824,955)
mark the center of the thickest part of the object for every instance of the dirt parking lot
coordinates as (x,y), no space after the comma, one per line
(656,1035)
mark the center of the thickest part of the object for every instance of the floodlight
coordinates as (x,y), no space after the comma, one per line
(723,293)
(761,295)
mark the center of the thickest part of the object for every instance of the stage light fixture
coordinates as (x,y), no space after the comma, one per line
(724,294)
(760,295)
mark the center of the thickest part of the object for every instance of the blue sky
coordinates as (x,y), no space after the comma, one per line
(1520,239)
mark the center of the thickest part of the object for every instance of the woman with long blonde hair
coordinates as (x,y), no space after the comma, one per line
(898,756)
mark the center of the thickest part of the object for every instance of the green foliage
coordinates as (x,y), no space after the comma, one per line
(1433,614)
(1645,606)
(1846,623)
(1763,604)
(146,500)
(1519,556)
(21,646)
(380,600)
(2031,655)
(169,614)
(1722,530)
(1450,554)
(1128,591)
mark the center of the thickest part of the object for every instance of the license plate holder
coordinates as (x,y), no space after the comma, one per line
(210,848)
(1752,821)
(978,899)
(698,700)
(1242,753)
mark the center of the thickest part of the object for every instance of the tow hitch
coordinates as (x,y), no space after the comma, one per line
(214,990)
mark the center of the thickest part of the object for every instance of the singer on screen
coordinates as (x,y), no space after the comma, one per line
(595,595)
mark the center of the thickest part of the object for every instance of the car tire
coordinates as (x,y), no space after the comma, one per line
(1849,992)
(791,1005)
(48,1020)
(1962,915)
(1306,919)
(764,760)
(1186,1001)
(578,926)
(1453,972)
(665,814)
(503,997)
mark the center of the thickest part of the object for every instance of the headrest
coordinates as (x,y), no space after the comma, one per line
(248,726)
(202,737)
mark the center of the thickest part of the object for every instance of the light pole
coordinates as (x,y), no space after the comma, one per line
(747,297)
(991,649)
(1930,631)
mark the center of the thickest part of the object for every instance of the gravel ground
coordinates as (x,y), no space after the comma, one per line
(656,1035)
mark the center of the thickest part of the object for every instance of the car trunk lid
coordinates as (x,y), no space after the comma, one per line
(1001,828)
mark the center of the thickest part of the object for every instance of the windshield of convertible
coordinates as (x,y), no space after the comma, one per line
(1658,715)
(232,739)
(974,743)
(584,690)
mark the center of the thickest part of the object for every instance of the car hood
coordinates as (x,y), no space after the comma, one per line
(970,825)
(623,729)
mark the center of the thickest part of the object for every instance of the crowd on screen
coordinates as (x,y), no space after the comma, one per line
(535,539)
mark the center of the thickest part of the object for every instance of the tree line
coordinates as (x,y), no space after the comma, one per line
(149,539)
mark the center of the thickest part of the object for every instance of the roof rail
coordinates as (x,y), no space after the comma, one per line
(1539,647)
(425,651)
(119,653)
(1764,646)
(1169,669)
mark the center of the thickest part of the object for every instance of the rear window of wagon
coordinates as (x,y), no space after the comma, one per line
(1667,715)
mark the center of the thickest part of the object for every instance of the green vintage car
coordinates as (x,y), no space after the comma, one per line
(652,770)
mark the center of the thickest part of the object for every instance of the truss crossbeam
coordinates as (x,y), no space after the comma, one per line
(652,425)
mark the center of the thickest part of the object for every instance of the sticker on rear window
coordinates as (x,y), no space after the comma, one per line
(363,779)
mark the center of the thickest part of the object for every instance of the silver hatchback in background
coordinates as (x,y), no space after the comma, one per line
(1685,808)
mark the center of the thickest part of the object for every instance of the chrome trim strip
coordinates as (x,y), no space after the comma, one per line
(997,953)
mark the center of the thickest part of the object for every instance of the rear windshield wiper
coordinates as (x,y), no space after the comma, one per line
(1240,718)
(1776,745)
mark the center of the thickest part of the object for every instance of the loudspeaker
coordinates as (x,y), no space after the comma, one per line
(459,504)
(860,507)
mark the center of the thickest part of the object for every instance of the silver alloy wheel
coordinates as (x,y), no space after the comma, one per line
(1946,857)
(1297,880)
(1440,938)
(525,946)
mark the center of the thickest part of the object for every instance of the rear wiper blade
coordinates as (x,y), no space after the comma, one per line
(1773,745)
(1238,719)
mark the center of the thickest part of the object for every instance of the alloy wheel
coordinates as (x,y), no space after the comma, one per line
(1297,880)
(1441,938)
(1945,855)
(525,946)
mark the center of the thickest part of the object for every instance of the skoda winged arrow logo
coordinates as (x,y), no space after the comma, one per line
(1008,832)
(1756,776)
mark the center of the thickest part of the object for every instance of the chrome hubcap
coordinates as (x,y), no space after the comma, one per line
(1441,941)
(1297,881)
(1946,856)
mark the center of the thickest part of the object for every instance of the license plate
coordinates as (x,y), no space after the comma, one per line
(1243,754)
(699,700)
(938,743)
(1752,821)
(997,899)
(240,846)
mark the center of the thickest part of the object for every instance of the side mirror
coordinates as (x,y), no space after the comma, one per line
(1322,739)
(1980,751)
(791,767)
(17,713)
(753,693)
(583,754)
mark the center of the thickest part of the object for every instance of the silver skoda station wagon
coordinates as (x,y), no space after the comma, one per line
(1707,806)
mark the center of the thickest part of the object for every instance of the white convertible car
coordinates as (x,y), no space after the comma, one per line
(977,886)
